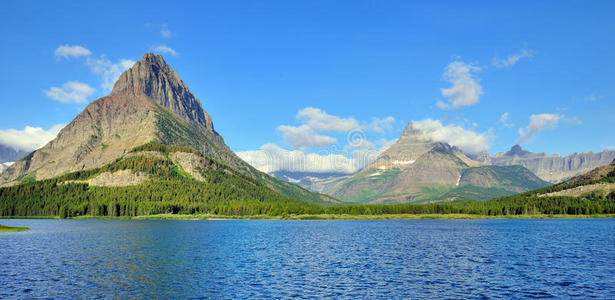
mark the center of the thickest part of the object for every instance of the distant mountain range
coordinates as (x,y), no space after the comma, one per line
(313,181)
(597,184)
(416,170)
(8,154)
(553,168)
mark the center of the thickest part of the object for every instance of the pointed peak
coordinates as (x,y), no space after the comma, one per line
(151,58)
(154,78)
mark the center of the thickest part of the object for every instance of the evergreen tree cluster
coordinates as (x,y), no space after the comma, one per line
(228,193)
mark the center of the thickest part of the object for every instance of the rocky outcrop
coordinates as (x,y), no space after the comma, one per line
(119,178)
(553,168)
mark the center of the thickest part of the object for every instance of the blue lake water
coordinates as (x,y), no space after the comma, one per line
(296,259)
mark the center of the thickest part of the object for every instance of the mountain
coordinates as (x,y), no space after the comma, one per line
(553,168)
(149,104)
(8,154)
(313,181)
(416,170)
(596,183)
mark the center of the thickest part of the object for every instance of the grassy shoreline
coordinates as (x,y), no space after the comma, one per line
(328,217)
(4,228)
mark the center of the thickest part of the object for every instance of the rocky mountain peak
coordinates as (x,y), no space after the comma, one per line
(152,77)
(516,150)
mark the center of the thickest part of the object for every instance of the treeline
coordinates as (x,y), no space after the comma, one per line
(225,195)
(228,193)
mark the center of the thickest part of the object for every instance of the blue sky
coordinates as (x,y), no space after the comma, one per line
(257,65)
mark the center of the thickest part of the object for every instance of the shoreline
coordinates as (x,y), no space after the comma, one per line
(4,228)
(324,217)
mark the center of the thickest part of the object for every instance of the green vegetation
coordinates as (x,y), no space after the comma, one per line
(8,229)
(225,193)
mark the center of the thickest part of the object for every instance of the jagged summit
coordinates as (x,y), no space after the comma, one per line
(148,103)
(153,77)
(516,150)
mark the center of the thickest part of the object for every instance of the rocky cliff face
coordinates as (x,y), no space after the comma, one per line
(153,78)
(553,168)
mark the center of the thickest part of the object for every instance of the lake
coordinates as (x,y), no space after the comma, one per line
(558,258)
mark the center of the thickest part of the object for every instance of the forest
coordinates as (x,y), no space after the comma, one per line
(224,192)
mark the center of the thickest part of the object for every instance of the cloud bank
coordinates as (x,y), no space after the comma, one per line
(272,158)
(467,140)
(30,138)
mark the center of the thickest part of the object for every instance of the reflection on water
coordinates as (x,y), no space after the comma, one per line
(290,259)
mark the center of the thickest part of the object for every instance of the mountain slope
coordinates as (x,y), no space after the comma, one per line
(598,182)
(149,103)
(150,179)
(416,170)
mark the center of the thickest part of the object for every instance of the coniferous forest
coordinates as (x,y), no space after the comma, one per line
(224,192)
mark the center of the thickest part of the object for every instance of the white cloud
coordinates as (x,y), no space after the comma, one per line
(164,49)
(504,119)
(537,123)
(467,140)
(304,136)
(512,59)
(318,119)
(109,72)
(67,51)
(29,139)
(465,90)
(272,158)
(70,92)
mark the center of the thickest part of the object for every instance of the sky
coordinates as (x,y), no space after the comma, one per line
(318,82)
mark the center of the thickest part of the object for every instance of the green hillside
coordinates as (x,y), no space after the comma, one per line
(168,189)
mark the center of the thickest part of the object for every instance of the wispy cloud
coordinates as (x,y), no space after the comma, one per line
(30,138)
(512,59)
(593,98)
(165,32)
(381,125)
(70,92)
(538,123)
(164,49)
(108,71)
(465,89)
(67,51)
(504,120)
